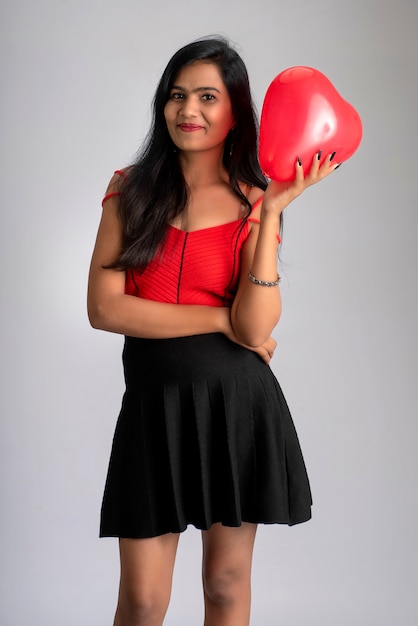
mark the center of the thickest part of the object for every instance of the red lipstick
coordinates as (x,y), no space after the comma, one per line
(189,128)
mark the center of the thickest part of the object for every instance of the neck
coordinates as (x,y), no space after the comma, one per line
(203,168)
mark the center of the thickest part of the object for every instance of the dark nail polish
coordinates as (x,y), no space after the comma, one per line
(339,165)
(332,156)
(299,161)
(319,154)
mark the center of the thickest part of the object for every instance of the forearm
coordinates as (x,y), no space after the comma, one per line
(257,308)
(136,317)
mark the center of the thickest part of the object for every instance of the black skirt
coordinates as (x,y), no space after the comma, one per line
(204,435)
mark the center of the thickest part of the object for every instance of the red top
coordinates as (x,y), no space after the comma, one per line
(198,267)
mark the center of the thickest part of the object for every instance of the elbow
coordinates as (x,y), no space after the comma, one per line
(97,316)
(95,322)
(255,335)
(94,319)
(254,340)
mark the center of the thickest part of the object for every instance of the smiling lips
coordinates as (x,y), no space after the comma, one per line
(189,128)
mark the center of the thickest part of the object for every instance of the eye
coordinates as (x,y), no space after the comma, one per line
(176,95)
(207,97)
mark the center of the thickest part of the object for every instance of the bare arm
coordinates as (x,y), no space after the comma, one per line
(256,308)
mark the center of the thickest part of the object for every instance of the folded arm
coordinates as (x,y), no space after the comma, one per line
(110,309)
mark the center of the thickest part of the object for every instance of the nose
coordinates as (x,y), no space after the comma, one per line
(189,106)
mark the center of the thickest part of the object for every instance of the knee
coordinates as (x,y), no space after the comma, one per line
(141,608)
(223,587)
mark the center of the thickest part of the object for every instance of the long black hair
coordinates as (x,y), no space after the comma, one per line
(155,191)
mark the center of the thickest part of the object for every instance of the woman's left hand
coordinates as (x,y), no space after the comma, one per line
(279,194)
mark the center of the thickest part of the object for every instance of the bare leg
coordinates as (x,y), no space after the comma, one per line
(227,559)
(145,580)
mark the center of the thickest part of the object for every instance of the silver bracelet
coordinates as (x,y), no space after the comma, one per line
(264,283)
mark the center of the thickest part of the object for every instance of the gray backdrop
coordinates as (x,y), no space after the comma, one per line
(77,81)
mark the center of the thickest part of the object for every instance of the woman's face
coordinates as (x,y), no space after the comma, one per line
(198,111)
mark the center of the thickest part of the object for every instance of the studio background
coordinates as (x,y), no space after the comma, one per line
(77,81)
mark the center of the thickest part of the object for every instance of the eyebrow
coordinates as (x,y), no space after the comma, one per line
(197,89)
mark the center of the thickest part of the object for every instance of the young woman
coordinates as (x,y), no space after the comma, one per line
(185,266)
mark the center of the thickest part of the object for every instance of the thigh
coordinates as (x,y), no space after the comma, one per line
(147,567)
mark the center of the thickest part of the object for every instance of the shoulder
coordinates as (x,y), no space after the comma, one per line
(115,184)
(255,194)
(255,197)
(119,176)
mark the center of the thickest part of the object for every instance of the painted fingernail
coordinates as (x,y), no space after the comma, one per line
(339,165)
(319,154)
(299,161)
(332,156)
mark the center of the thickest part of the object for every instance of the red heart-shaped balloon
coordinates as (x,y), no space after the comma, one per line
(303,113)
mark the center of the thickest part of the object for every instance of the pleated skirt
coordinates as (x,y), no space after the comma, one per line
(204,435)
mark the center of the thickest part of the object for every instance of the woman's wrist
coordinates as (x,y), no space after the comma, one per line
(223,320)
(270,215)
